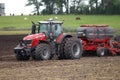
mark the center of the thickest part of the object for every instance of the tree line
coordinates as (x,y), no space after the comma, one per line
(109,7)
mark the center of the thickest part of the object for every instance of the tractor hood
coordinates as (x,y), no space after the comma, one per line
(34,36)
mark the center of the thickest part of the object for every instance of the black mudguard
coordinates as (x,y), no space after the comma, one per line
(18,49)
(22,50)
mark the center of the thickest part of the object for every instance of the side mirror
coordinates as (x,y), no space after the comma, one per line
(33,28)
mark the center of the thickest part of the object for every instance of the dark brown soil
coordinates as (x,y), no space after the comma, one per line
(8,42)
(87,68)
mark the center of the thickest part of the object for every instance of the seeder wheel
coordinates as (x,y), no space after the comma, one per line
(101,52)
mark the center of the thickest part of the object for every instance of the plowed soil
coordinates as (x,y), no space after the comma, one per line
(87,68)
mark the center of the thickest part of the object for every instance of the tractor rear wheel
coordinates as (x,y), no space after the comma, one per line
(61,51)
(43,52)
(73,48)
(101,52)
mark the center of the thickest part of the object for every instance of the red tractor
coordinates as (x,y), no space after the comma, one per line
(46,41)
(98,39)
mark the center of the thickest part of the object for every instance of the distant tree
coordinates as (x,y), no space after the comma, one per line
(73,7)
(36,3)
(53,6)
(104,6)
(110,6)
(94,8)
(76,7)
(67,6)
(59,4)
(49,4)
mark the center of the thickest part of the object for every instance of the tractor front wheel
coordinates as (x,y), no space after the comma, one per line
(33,55)
(22,57)
(43,52)
(73,48)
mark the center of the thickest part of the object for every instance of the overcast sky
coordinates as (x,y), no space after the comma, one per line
(16,6)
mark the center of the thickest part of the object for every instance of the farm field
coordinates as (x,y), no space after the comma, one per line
(87,68)
(70,21)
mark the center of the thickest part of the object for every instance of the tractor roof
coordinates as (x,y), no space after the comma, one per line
(57,22)
(94,26)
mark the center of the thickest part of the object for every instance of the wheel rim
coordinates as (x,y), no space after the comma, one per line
(102,53)
(76,49)
(45,53)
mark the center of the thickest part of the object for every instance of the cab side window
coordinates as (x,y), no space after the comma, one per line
(56,29)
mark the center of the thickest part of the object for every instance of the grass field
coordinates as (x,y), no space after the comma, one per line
(70,22)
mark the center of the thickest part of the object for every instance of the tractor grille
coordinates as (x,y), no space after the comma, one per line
(27,41)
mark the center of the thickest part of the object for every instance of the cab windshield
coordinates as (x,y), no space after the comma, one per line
(43,28)
(54,28)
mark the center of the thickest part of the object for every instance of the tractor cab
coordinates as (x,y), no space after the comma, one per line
(52,29)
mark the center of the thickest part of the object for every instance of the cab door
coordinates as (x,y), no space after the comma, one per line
(56,30)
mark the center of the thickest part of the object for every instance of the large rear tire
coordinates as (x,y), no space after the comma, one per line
(73,48)
(43,52)
(61,51)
